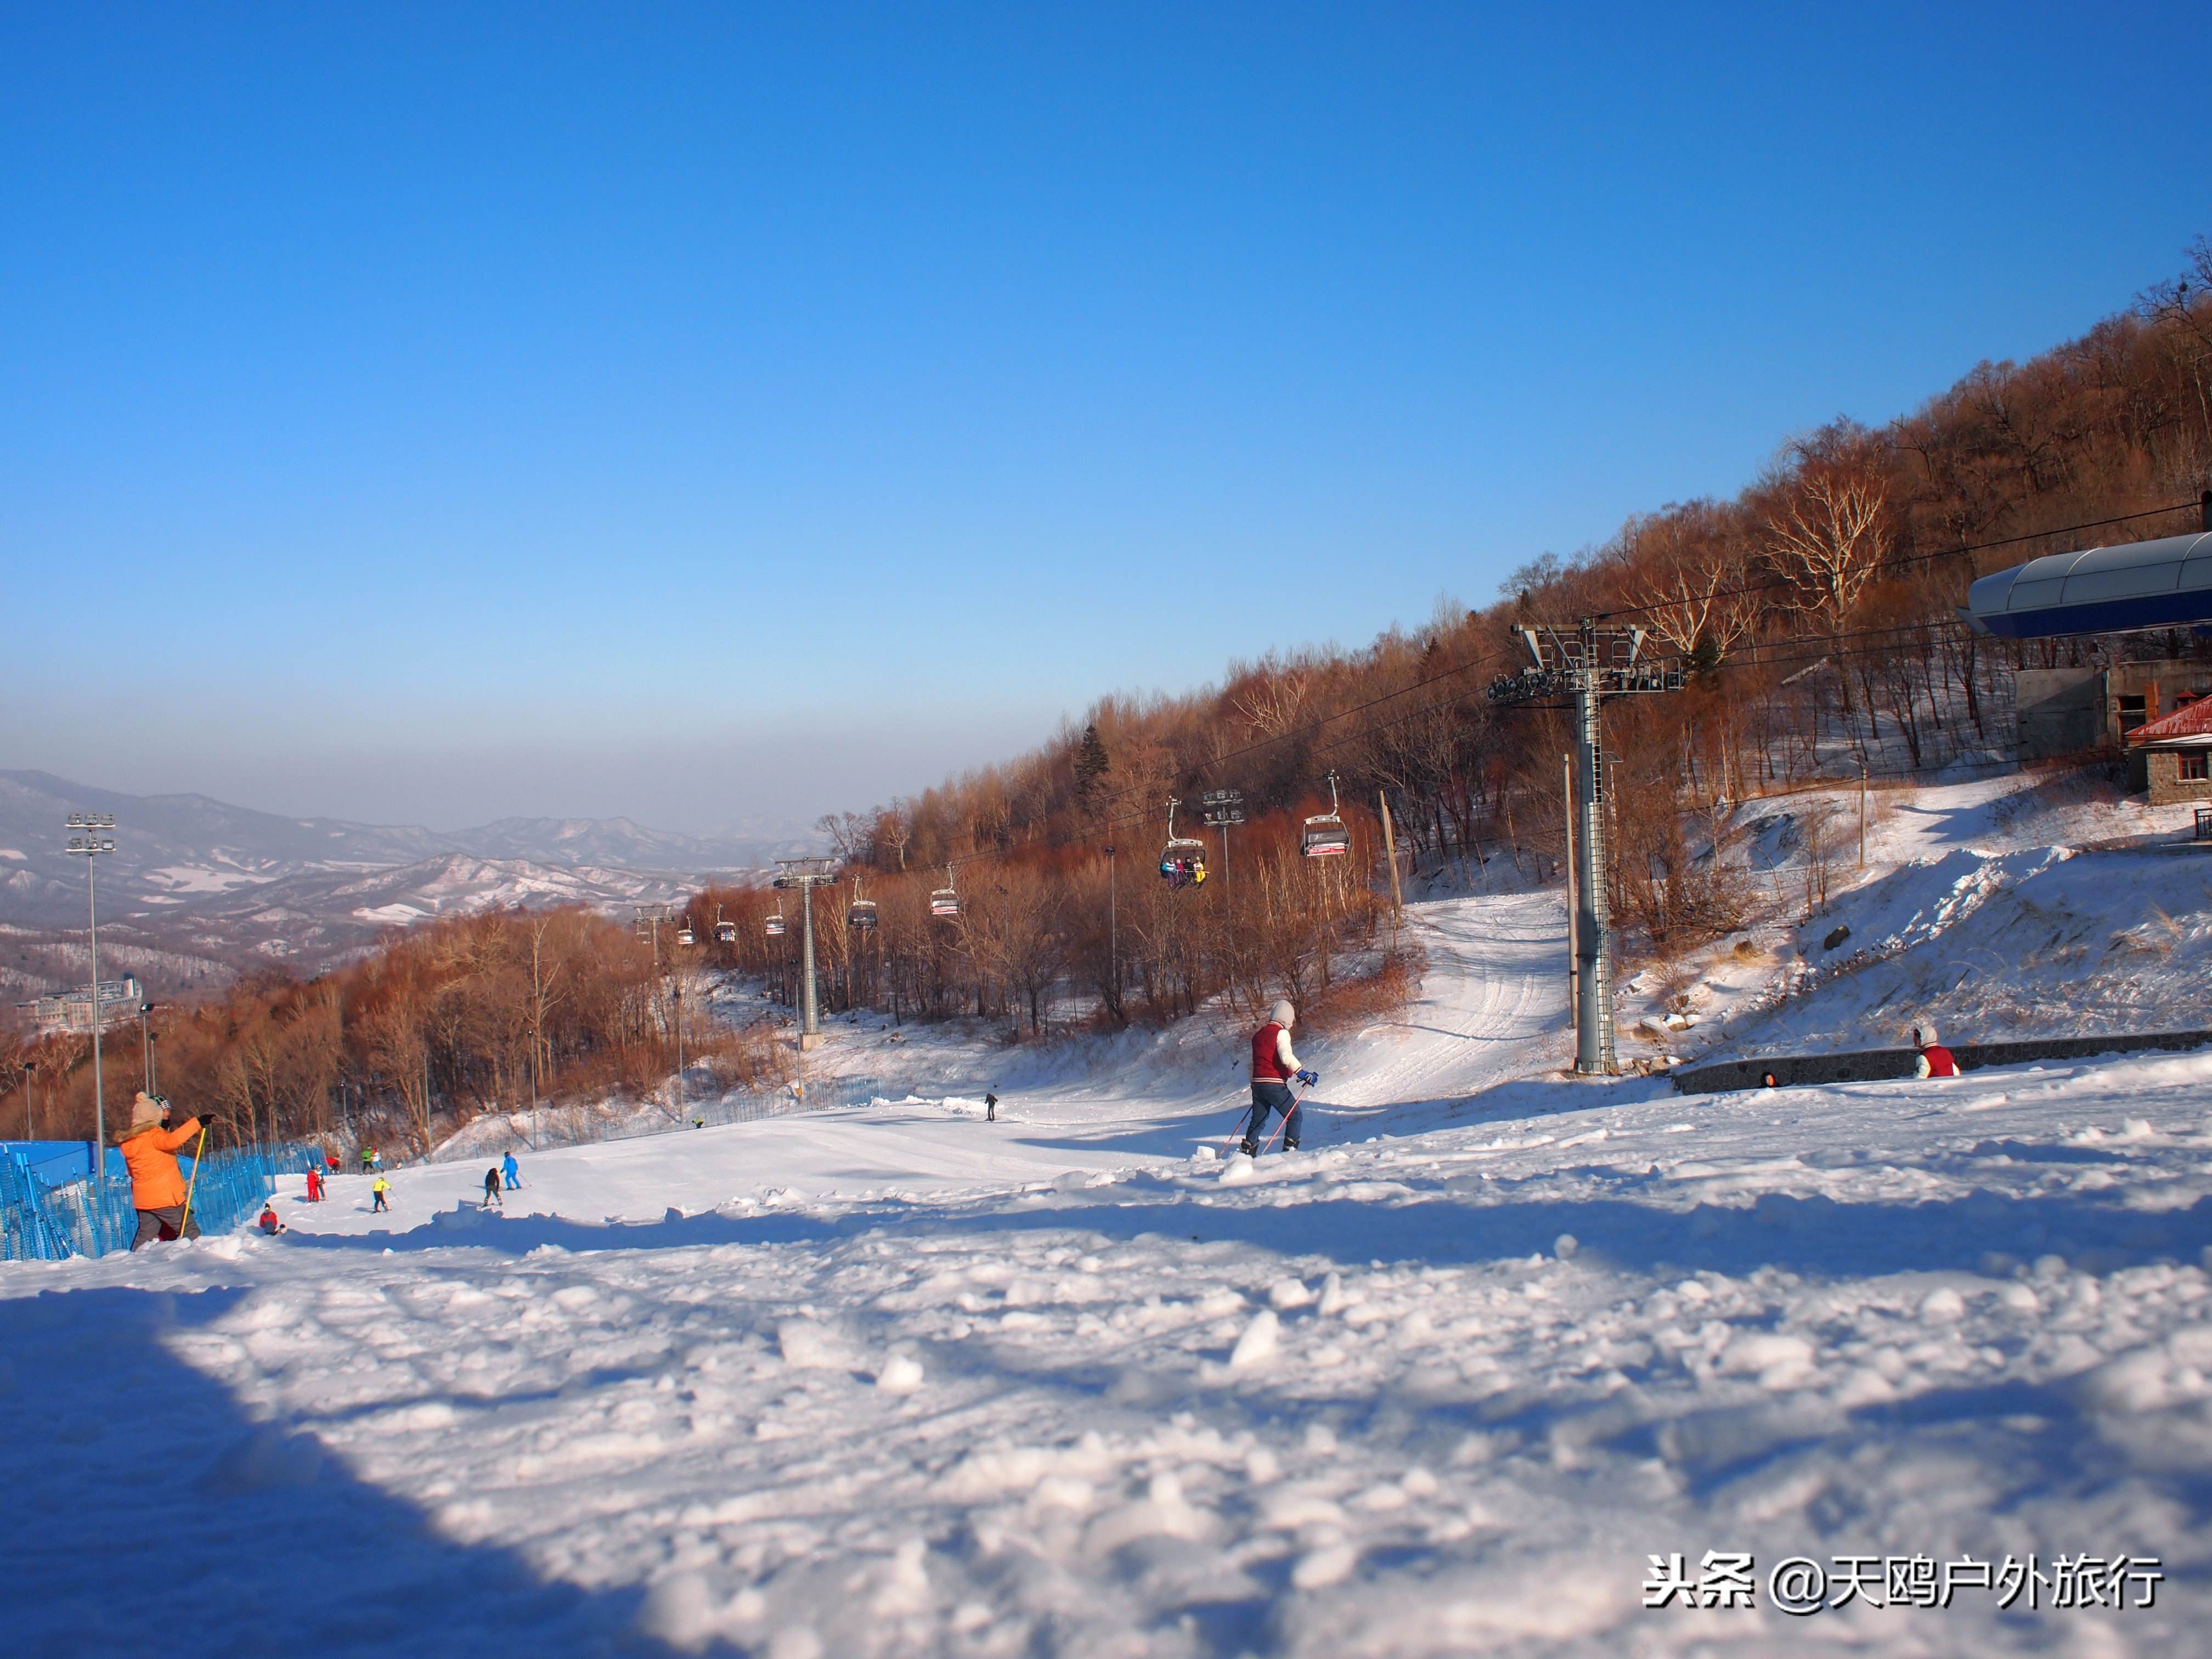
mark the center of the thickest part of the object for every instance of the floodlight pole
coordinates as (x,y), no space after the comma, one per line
(89,844)
(1113,928)
(1223,808)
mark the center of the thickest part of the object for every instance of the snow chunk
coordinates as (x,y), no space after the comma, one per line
(900,1375)
(1780,1361)
(1943,1307)
(1288,1293)
(1319,1569)
(1258,1343)
(806,1345)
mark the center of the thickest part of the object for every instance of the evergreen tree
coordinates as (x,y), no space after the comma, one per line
(1091,764)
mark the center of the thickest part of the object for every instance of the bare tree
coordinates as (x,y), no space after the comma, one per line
(1829,542)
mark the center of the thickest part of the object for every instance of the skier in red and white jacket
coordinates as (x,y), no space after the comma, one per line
(1935,1061)
(1274,1065)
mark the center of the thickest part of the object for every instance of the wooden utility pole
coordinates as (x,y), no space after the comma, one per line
(1862,783)
(1390,852)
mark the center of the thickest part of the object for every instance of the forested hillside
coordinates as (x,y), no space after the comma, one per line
(1814,612)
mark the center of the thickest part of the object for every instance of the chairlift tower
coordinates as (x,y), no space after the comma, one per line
(803,876)
(1222,807)
(94,835)
(1592,661)
(645,923)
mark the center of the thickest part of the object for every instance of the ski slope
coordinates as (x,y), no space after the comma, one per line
(900,1382)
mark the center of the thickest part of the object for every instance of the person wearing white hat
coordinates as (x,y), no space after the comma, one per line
(158,1193)
(1274,1068)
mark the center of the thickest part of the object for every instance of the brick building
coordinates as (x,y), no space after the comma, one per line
(2173,754)
(2076,711)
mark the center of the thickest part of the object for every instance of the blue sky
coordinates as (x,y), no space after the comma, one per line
(440,412)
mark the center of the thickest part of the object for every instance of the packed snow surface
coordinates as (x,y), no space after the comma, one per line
(898,1381)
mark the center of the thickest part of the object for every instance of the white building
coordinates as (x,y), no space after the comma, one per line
(71,1011)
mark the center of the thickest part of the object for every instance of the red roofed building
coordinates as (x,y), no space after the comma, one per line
(2176,752)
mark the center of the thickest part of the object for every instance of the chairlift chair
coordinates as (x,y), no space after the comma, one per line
(945,901)
(1183,862)
(724,931)
(1325,836)
(684,935)
(860,914)
(773,925)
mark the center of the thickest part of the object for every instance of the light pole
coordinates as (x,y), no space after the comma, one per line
(146,1042)
(30,1100)
(91,841)
(1113,931)
(1223,808)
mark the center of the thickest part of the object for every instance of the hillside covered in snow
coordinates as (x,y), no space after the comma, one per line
(1497,1360)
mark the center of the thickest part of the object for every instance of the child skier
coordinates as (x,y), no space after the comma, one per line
(1274,1067)
(378,1190)
(492,1192)
(314,1185)
(268,1224)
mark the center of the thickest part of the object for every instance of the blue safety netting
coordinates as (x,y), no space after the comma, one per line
(42,1221)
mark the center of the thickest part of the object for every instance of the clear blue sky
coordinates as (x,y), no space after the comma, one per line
(435,413)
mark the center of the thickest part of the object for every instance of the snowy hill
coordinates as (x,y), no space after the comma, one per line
(897,1380)
(214,886)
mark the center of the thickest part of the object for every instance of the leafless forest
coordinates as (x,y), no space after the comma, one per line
(1815,612)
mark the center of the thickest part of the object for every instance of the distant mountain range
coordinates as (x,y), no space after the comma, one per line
(197,889)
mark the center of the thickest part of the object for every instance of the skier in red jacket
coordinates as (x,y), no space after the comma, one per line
(1274,1067)
(1935,1060)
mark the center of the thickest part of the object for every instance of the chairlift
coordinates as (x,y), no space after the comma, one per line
(945,901)
(1325,837)
(684,935)
(1183,862)
(774,924)
(860,914)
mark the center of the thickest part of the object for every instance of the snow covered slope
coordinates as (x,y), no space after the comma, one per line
(898,1381)
(903,1381)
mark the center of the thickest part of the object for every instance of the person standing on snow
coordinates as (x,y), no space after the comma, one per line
(990,1108)
(1274,1067)
(510,1172)
(378,1189)
(158,1191)
(492,1192)
(314,1185)
(1935,1061)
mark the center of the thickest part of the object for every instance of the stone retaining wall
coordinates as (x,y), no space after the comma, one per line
(1868,1065)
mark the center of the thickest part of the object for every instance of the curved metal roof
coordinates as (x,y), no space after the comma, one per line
(2167,583)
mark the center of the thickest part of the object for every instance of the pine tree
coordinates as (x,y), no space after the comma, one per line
(1091,763)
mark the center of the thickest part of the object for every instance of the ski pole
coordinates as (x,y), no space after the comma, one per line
(1283,1122)
(200,1152)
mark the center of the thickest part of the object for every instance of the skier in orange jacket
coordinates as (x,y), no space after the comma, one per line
(157,1185)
